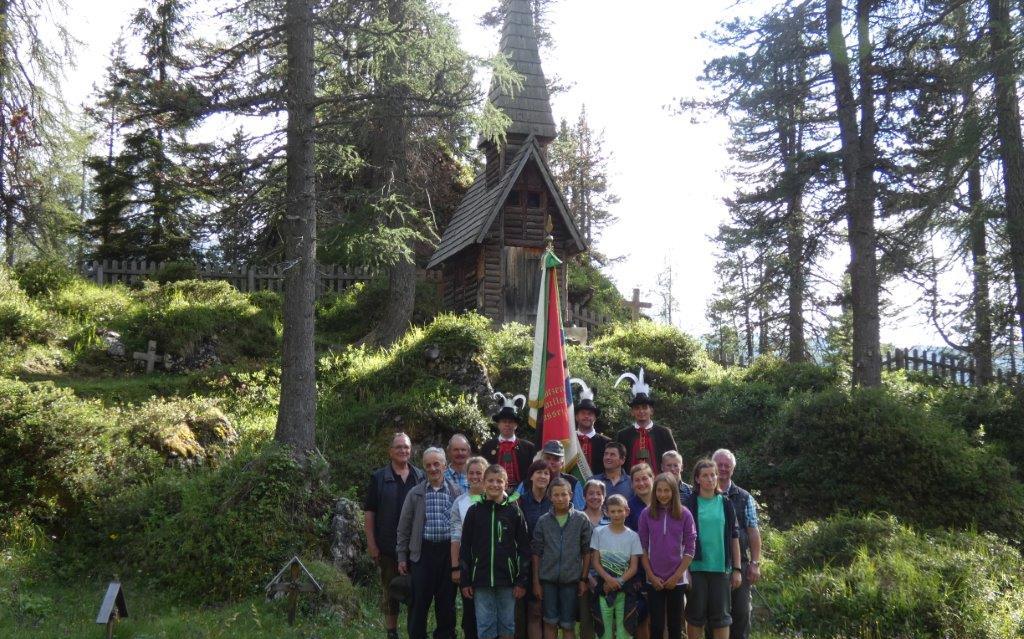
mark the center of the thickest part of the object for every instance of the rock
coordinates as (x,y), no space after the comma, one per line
(348,542)
(201,357)
(114,345)
(191,437)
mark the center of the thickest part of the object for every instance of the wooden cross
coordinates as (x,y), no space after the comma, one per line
(635,304)
(289,581)
(150,357)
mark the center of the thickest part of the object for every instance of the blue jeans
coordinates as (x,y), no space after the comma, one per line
(559,604)
(495,612)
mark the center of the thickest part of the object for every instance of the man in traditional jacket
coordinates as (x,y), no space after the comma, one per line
(645,441)
(508,450)
(592,443)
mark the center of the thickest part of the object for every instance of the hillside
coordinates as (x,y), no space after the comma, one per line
(894,512)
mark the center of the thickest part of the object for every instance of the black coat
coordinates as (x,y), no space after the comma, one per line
(663,442)
(597,445)
(495,550)
(525,452)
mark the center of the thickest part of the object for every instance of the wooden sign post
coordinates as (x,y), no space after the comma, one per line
(289,581)
(113,608)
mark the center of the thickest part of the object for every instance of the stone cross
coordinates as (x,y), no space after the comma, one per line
(150,357)
(635,304)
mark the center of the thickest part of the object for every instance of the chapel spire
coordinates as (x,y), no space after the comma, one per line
(529,107)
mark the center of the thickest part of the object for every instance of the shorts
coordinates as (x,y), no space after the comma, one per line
(388,571)
(559,604)
(709,600)
(495,612)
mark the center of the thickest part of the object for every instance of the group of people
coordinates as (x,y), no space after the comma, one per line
(532,550)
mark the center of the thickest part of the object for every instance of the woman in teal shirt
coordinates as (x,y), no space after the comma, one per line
(715,570)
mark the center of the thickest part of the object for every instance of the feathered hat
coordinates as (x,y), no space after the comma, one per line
(641,391)
(586,397)
(509,406)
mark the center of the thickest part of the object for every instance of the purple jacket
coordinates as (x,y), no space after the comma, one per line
(666,540)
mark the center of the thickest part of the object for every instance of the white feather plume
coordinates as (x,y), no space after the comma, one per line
(639,386)
(585,392)
(511,402)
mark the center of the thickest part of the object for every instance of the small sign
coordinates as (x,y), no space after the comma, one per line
(112,608)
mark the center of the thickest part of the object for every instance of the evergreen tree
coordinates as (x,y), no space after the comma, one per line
(580,166)
(34,123)
(150,188)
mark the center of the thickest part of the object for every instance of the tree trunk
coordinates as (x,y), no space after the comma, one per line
(5,202)
(795,242)
(747,323)
(981,345)
(296,418)
(1011,145)
(858,155)
(391,175)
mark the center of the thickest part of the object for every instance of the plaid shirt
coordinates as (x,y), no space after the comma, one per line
(751,511)
(437,522)
(457,478)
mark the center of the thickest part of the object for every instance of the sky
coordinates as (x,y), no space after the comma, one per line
(629,63)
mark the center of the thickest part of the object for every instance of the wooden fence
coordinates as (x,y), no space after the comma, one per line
(961,370)
(577,316)
(333,279)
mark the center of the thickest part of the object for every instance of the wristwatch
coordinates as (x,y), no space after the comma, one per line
(755,562)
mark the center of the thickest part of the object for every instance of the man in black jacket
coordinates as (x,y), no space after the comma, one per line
(382,507)
(508,450)
(592,443)
(645,441)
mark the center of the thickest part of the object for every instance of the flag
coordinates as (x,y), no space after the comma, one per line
(550,399)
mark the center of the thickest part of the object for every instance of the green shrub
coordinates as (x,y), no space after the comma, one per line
(39,277)
(91,305)
(176,272)
(729,414)
(993,414)
(352,314)
(215,534)
(873,577)
(866,451)
(183,315)
(52,450)
(638,343)
(785,377)
(21,319)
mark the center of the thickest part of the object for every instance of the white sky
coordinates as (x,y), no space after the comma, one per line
(629,63)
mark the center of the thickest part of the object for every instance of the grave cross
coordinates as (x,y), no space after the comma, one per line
(112,608)
(289,581)
(150,357)
(635,304)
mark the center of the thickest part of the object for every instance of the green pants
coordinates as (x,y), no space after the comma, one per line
(613,616)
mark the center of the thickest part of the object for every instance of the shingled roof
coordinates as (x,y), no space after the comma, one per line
(529,107)
(480,206)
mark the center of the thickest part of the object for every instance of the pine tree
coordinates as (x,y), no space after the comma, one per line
(34,123)
(580,165)
(150,187)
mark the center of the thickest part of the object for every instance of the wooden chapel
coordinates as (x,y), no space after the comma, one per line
(490,252)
